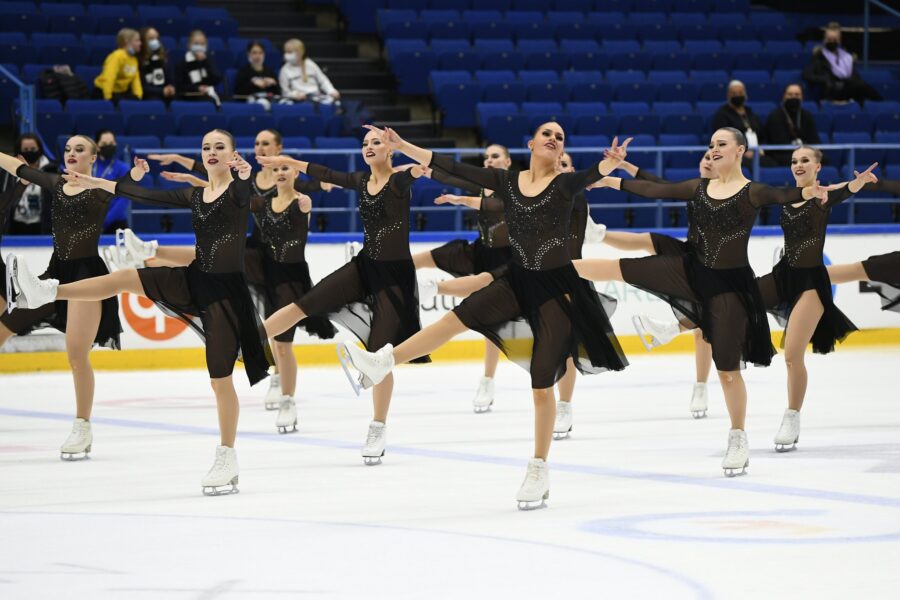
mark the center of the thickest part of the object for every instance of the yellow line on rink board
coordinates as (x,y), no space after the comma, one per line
(324,354)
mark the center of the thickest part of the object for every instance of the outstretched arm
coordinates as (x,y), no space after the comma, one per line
(470,201)
(865,181)
(345,180)
(683,190)
(167,159)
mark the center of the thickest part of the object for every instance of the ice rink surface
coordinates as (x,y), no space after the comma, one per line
(638,507)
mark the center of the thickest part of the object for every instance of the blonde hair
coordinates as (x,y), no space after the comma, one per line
(125,36)
(90,143)
(300,47)
(816,152)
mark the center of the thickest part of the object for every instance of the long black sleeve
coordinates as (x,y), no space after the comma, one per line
(764,195)
(442,176)
(574,183)
(682,190)
(647,176)
(45,180)
(485,177)
(307,186)
(345,180)
(129,188)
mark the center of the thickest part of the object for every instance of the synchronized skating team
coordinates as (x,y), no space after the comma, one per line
(526,288)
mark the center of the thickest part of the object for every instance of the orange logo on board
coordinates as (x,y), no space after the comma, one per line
(148,321)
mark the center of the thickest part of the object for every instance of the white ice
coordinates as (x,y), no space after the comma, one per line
(639,507)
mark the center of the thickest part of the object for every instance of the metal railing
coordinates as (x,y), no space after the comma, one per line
(661,207)
(27,109)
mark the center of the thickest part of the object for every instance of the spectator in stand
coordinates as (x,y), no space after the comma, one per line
(153,59)
(121,77)
(832,71)
(790,124)
(735,113)
(255,81)
(302,79)
(108,166)
(196,77)
(31,214)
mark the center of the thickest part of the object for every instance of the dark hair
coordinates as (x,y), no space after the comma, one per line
(538,128)
(28,136)
(501,146)
(253,44)
(276,134)
(792,84)
(226,134)
(739,136)
(101,132)
(144,56)
(816,152)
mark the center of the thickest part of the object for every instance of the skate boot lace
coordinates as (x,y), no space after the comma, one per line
(374,434)
(285,404)
(532,476)
(219,464)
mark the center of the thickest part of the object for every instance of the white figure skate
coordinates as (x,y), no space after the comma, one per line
(222,478)
(373,367)
(737,456)
(789,433)
(351,249)
(535,489)
(563,425)
(286,421)
(273,395)
(78,445)
(659,332)
(23,288)
(484,396)
(375,443)
(699,400)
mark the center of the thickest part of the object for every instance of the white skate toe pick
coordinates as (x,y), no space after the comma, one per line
(535,489)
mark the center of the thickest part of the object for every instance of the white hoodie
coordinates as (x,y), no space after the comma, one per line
(291,80)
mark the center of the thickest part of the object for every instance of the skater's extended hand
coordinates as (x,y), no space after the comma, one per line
(85,182)
(277,161)
(241,166)
(602,183)
(388,136)
(861,179)
(184,178)
(614,156)
(164,159)
(449,199)
(327,187)
(141,167)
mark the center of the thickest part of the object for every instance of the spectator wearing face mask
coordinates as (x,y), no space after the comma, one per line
(108,166)
(302,79)
(255,81)
(790,124)
(735,113)
(121,77)
(832,71)
(196,77)
(156,78)
(30,214)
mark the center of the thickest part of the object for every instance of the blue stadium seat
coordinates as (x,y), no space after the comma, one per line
(683,18)
(301,109)
(591,92)
(241,108)
(132,142)
(504,128)
(457,102)
(579,109)
(92,106)
(91,122)
(495,76)
(186,107)
(553,60)
(678,139)
(18,8)
(506,60)
(450,45)
(494,29)
(712,75)
(749,76)
(465,60)
(180,141)
(577,31)
(682,124)
(629,108)
(711,91)
(72,24)
(646,19)
(30,73)
(200,124)
(249,124)
(764,92)
(596,124)
(42,39)
(888,122)
(674,61)
(548,92)
(660,77)
(853,122)
(862,157)
(481,16)
(64,55)
(678,92)
(665,108)
(740,31)
(53,125)
(297,141)
(635,92)
(309,126)
(662,46)
(62,8)
(412,69)
(639,125)
(528,77)
(46,106)
(504,91)
(24,23)
(622,32)
(159,125)
(631,61)
(448,30)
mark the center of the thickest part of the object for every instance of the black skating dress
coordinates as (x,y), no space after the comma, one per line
(375,295)
(77,222)
(712,285)
(488,252)
(284,266)
(211,293)
(8,199)
(802,268)
(666,245)
(538,311)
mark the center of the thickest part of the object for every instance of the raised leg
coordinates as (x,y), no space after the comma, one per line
(172,256)
(847,273)
(102,287)
(622,240)
(424,260)
(429,339)
(283,319)
(462,287)
(598,269)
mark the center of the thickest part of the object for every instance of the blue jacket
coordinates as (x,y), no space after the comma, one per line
(112,170)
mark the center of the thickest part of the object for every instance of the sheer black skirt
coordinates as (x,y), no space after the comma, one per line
(377,300)
(3,279)
(666,245)
(56,314)
(284,283)
(884,270)
(724,303)
(782,288)
(218,307)
(541,318)
(461,258)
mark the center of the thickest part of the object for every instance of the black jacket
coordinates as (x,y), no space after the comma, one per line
(243,84)
(726,116)
(783,128)
(818,76)
(190,75)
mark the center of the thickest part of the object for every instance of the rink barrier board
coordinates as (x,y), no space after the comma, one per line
(326,355)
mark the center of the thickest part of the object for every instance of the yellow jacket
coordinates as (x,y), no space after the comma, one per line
(120,74)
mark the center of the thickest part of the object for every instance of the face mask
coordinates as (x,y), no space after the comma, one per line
(738,101)
(831,46)
(31,156)
(130,50)
(290,58)
(198,48)
(154,45)
(792,104)
(108,152)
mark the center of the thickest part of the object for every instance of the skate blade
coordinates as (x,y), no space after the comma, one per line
(483,409)
(75,456)
(736,472)
(287,428)
(785,447)
(642,334)
(371,461)
(562,435)
(699,414)
(526,505)
(345,361)
(12,292)
(221,490)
